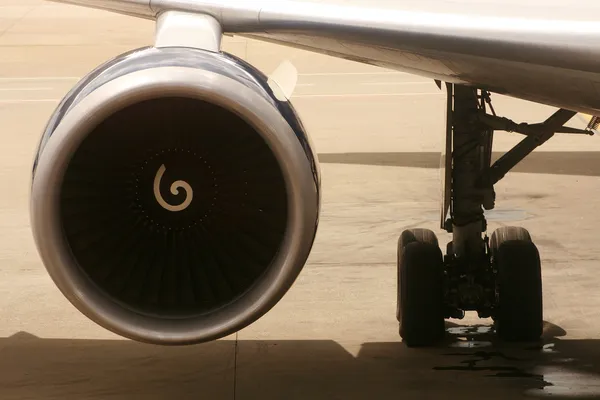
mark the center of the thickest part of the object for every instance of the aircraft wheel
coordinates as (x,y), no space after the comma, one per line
(519,316)
(420,309)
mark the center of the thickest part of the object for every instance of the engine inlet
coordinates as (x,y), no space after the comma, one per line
(173,207)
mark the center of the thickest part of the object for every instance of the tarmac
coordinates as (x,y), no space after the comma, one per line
(334,335)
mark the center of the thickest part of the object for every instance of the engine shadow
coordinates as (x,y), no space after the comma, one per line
(471,364)
(585,163)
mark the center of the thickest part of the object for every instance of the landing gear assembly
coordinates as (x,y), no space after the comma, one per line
(497,276)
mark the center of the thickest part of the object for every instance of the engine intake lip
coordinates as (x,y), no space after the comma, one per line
(252,105)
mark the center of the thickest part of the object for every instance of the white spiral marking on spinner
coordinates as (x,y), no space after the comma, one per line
(174,189)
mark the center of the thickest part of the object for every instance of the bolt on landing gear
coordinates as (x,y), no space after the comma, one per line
(498,277)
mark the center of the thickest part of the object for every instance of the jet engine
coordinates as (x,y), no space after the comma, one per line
(175,195)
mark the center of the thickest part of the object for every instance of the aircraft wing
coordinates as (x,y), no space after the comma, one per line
(551,61)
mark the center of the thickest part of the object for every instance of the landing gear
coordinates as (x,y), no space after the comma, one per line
(498,278)
(420,309)
(516,261)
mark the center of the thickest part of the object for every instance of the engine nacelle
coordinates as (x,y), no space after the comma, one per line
(175,197)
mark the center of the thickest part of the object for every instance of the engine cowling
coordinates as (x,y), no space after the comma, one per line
(175,196)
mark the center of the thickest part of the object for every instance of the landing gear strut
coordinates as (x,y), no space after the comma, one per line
(498,277)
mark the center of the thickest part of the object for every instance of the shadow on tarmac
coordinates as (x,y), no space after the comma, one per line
(585,163)
(471,363)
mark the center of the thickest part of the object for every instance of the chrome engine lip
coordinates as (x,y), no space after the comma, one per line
(135,87)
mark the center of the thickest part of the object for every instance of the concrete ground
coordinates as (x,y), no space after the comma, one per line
(334,335)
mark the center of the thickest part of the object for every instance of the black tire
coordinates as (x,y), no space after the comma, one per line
(420,308)
(519,315)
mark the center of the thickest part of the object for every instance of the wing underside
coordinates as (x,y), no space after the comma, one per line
(555,62)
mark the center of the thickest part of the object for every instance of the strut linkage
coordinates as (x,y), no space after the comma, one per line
(537,134)
(505,124)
